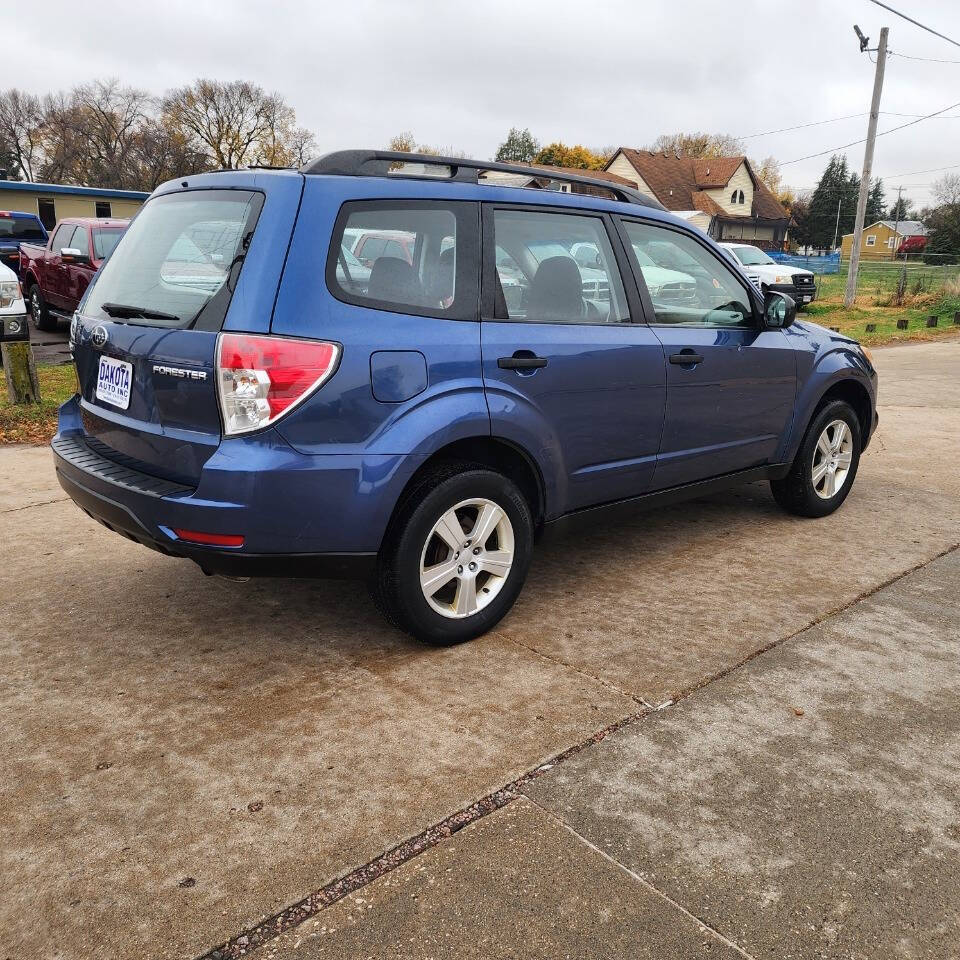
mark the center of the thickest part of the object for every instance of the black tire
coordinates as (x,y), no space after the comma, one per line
(396,588)
(41,316)
(796,492)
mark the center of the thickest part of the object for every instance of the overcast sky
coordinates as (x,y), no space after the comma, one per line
(602,73)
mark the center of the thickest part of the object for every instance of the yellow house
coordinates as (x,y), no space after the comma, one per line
(52,201)
(882,239)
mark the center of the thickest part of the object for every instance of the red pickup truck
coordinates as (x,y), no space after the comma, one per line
(55,277)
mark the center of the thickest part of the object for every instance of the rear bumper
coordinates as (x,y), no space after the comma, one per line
(299,515)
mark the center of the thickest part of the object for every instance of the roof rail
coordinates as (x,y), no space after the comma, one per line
(379,163)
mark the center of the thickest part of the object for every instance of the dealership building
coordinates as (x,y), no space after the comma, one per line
(52,202)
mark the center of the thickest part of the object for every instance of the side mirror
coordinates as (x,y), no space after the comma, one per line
(779,311)
(73,255)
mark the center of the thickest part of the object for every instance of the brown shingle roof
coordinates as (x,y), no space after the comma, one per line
(678,182)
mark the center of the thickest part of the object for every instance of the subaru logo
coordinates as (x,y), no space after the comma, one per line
(99,336)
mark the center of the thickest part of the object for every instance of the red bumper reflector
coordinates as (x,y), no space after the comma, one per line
(210,539)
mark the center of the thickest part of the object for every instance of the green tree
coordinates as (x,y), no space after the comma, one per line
(876,203)
(902,209)
(576,157)
(835,191)
(944,243)
(521,146)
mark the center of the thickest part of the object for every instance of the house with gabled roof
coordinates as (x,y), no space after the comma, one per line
(722,195)
(886,239)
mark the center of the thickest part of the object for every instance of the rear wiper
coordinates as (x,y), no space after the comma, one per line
(123,311)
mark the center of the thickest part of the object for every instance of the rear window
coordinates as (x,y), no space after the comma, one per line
(21,228)
(104,240)
(179,261)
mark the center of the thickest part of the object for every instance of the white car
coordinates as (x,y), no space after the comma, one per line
(13,310)
(766,274)
(665,285)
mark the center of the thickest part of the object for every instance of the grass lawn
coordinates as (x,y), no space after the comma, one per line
(37,423)
(930,291)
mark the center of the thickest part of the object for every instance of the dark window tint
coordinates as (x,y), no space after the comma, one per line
(104,209)
(180,256)
(47,212)
(686,282)
(63,237)
(104,241)
(556,268)
(20,228)
(407,256)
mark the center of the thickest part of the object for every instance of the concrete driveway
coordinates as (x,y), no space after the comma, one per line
(186,757)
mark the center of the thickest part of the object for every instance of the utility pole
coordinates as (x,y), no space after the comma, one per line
(896,229)
(836,229)
(867,167)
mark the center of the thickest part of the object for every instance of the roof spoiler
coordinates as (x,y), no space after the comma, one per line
(381,163)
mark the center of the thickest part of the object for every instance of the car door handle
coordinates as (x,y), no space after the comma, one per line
(686,358)
(521,363)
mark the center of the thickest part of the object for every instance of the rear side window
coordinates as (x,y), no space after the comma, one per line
(556,268)
(179,260)
(104,240)
(411,256)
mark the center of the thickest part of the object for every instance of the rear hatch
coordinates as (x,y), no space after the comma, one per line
(145,338)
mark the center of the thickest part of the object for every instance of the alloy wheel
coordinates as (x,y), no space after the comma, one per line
(832,458)
(466,558)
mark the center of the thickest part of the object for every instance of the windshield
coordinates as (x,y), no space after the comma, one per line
(104,240)
(751,256)
(21,228)
(182,251)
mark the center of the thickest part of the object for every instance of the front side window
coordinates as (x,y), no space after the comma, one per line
(81,241)
(702,292)
(179,259)
(404,256)
(556,268)
(63,237)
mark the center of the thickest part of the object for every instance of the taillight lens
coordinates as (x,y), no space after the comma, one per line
(259,379)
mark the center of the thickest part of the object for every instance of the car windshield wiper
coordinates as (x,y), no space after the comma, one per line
(126,311)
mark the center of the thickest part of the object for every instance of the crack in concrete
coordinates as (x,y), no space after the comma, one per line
(646,884)
(559,661)
(30,506)
(292,916)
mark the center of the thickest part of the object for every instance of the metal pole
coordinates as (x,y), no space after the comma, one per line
(867,168)
(896,229)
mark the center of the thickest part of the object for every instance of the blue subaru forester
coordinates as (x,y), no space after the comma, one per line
(408,368)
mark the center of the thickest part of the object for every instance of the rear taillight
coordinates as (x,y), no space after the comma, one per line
(259,379)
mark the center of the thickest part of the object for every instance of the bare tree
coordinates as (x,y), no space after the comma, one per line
(768,170)
(21,129)
(403,143)
(947,188)
(698,145)
(301,147)
(237,123)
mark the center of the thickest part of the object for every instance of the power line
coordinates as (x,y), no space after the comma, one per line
(849,116)
(916,173)
(917,23)
(906,56)
(882,133)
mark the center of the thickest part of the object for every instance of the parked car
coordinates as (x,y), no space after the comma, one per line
(767,274)
(11,297)
(17,228)
(56,275)
(424,431)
